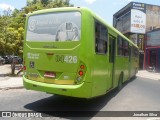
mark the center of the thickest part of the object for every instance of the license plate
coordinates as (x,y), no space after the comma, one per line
(50,74)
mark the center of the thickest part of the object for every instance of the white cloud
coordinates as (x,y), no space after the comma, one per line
(122,2)
(128,0)
(5,6)
(90,1)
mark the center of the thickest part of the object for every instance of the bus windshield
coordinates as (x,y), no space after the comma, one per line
(52,27)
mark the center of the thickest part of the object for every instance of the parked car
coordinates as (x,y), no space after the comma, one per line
(16,59)
(7,59)
(1,60)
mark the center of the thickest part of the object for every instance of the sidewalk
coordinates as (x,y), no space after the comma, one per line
(150,75)
(7,81)
(17,82)
(11,83)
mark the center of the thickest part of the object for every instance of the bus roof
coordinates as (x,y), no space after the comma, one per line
(80,9)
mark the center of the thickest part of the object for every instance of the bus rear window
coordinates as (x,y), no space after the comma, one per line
(51,27)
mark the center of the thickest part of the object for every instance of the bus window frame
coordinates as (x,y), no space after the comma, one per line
(112,48)
(126,48)
(119,47)
(99,38)
(26,28)
(122,47)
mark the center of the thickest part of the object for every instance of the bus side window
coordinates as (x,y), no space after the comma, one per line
(101,39)
(123,47)
(120,46)
(133,52)
(136,53)
(129,52)
(126,47)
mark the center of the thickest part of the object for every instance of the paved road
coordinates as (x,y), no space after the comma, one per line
(137,95)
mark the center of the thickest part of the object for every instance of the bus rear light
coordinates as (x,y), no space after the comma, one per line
(79,78)
(82,67)
(80,73)
(24,67)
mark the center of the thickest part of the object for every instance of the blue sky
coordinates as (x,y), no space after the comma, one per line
(104,8)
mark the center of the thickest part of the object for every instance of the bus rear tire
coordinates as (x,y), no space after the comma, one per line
(120,82)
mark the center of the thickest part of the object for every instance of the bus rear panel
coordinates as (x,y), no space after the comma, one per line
(52,61)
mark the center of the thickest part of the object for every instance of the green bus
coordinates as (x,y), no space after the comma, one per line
(71,51)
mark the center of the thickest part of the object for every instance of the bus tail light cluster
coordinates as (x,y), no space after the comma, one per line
(24,67)
(81,72)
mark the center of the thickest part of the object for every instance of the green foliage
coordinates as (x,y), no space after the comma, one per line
(12,26)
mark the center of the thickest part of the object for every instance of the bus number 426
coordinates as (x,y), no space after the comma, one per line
(67,59)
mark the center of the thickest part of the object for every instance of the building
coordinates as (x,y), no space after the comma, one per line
(152,51)
(140,22)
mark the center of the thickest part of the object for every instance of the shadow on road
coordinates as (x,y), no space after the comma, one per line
(72,106)
(4,75)
(7,75)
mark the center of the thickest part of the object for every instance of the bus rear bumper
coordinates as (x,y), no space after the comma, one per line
(82,90)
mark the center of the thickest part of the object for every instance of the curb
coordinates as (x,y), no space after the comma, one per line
(14,87)
(143,76)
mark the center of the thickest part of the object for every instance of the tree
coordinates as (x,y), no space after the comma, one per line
(4,23)
(12,25)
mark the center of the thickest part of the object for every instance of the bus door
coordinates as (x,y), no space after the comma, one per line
(112,50)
